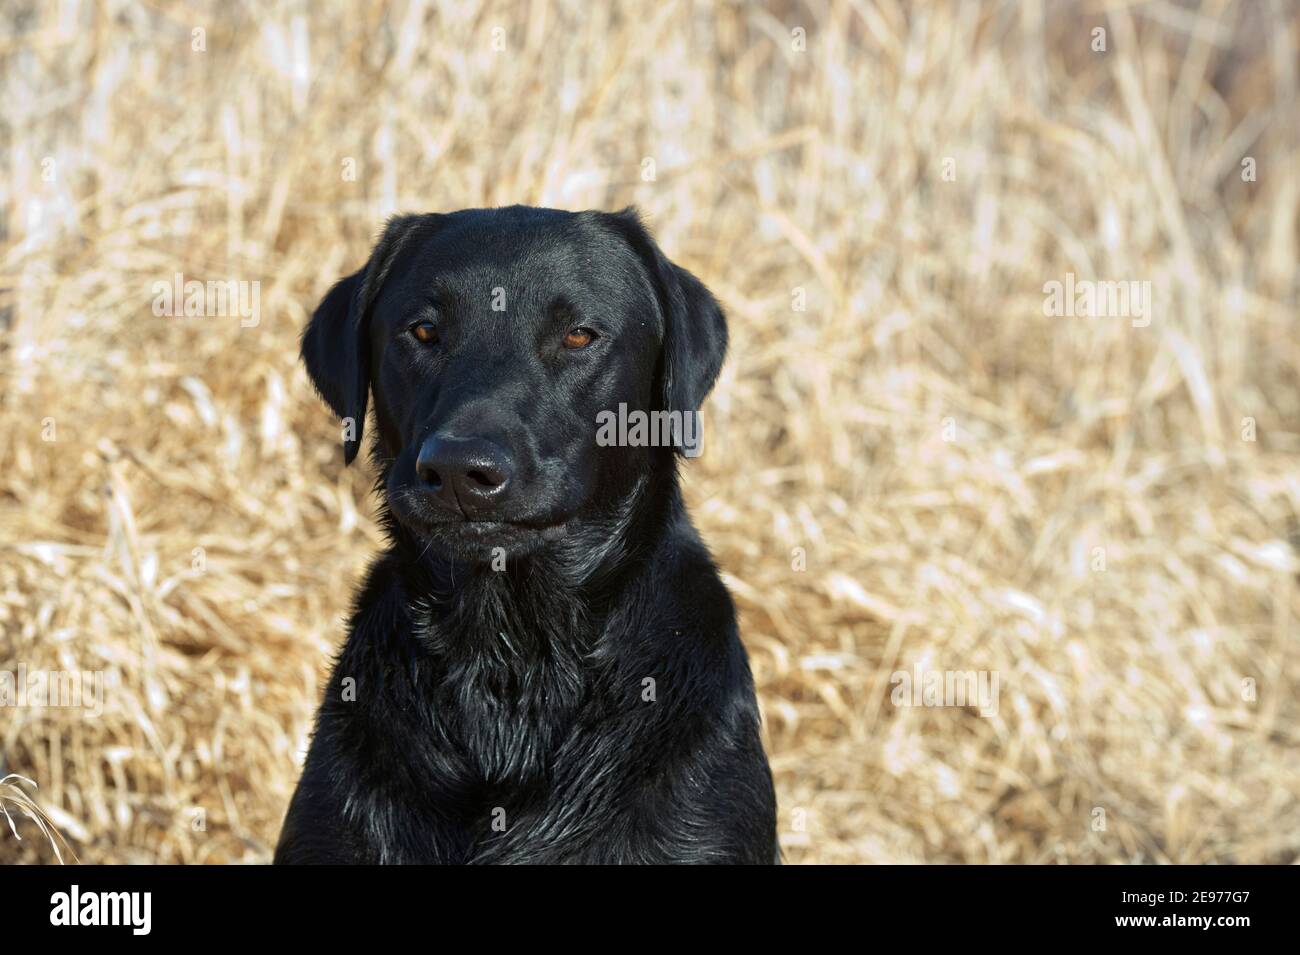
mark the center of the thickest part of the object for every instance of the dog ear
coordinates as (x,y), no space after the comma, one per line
(336,342)
(335,351)
(695,329)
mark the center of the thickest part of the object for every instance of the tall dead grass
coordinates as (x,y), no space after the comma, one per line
(918,470)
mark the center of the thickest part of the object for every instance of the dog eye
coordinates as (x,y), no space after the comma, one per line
(579,338)
(426,333)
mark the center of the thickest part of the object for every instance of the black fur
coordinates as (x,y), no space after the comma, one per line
(480,714)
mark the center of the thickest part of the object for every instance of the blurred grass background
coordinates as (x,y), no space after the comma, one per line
(918,469)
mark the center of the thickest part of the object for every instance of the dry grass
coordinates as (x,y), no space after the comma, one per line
(949,459)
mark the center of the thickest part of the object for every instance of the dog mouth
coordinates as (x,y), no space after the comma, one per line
(477,528)
(468,532)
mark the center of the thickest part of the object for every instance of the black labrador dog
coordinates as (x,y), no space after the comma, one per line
(544,665)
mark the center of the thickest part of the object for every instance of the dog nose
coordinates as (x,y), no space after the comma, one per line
(464,474)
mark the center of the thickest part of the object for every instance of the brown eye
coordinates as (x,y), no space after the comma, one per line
(579,338)
(426,333)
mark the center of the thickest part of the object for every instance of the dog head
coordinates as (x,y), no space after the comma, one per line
(527,367)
